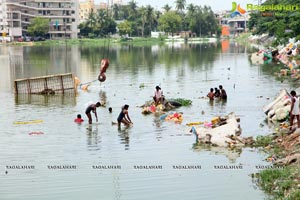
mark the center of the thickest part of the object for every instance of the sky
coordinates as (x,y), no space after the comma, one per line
(216,5)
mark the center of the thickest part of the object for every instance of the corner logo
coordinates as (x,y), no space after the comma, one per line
(236,10)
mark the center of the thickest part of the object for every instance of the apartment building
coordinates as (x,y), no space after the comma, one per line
(85,8)
(3,21)
(63,16)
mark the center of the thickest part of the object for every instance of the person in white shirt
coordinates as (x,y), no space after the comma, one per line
(158,94)
(295,111)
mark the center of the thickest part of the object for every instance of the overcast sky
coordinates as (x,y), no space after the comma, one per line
(216,5)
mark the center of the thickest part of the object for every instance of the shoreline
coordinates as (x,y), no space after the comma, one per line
(114,41)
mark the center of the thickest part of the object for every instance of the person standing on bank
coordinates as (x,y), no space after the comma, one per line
(92,108)
(124,117)
(295,111)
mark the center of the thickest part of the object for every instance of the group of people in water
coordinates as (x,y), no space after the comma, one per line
(158,99)
(122,118)
(217,93)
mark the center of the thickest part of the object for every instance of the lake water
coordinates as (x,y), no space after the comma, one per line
(182,70)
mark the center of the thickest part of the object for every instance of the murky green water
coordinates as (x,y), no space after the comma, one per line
(186,71)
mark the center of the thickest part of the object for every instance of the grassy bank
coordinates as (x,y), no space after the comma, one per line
(136,41)
(99,41)
(280,182)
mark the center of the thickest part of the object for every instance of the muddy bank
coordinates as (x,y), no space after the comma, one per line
(282,181)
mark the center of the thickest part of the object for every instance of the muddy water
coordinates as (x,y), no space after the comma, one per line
(186,71)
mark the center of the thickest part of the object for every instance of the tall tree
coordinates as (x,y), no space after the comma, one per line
(132,5)
(115,11)
(143,19)
(167,8)
(38,27)
(125,28)
(170,22)
(150,16)
(180,5)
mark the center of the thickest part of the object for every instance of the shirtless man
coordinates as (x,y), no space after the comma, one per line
(92,108)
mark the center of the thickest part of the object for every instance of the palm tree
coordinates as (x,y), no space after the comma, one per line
(115,11)
(132,9)
(180,5)
(143,18)
(167,8)
(91,20)
(150,15)
(101,17)
(191,9)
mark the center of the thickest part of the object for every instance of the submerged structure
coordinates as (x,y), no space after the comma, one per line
(52,84)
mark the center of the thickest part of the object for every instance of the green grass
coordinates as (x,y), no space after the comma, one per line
(183,102)
(281,183)
(263,141)
(103,41)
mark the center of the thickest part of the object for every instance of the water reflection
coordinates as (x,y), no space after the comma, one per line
(124,136)
(232,154)
(102,97)
(93,137)
(46,100)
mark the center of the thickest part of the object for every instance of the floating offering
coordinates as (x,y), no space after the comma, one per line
(36,133)
(194,123)
(29,122)
(176,117)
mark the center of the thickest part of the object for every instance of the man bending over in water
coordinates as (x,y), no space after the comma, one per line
(92,108)
(124,117)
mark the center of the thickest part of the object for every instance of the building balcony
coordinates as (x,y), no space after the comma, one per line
(38,7)
(13,19)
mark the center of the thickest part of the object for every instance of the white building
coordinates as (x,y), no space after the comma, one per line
(63,16)
(3,16)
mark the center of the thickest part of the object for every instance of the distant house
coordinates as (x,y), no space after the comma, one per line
(187,34)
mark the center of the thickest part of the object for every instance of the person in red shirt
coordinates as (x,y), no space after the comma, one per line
(78,119)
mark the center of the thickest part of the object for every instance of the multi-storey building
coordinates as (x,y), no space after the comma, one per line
(62,15)
(85,8)
(3,21)
(88,6)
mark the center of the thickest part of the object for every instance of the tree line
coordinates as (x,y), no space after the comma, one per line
(281,24)
(135,21)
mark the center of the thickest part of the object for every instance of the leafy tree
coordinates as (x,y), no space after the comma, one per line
(170,22)
(277,24)
(125,28)
(38,27)
(98,25)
